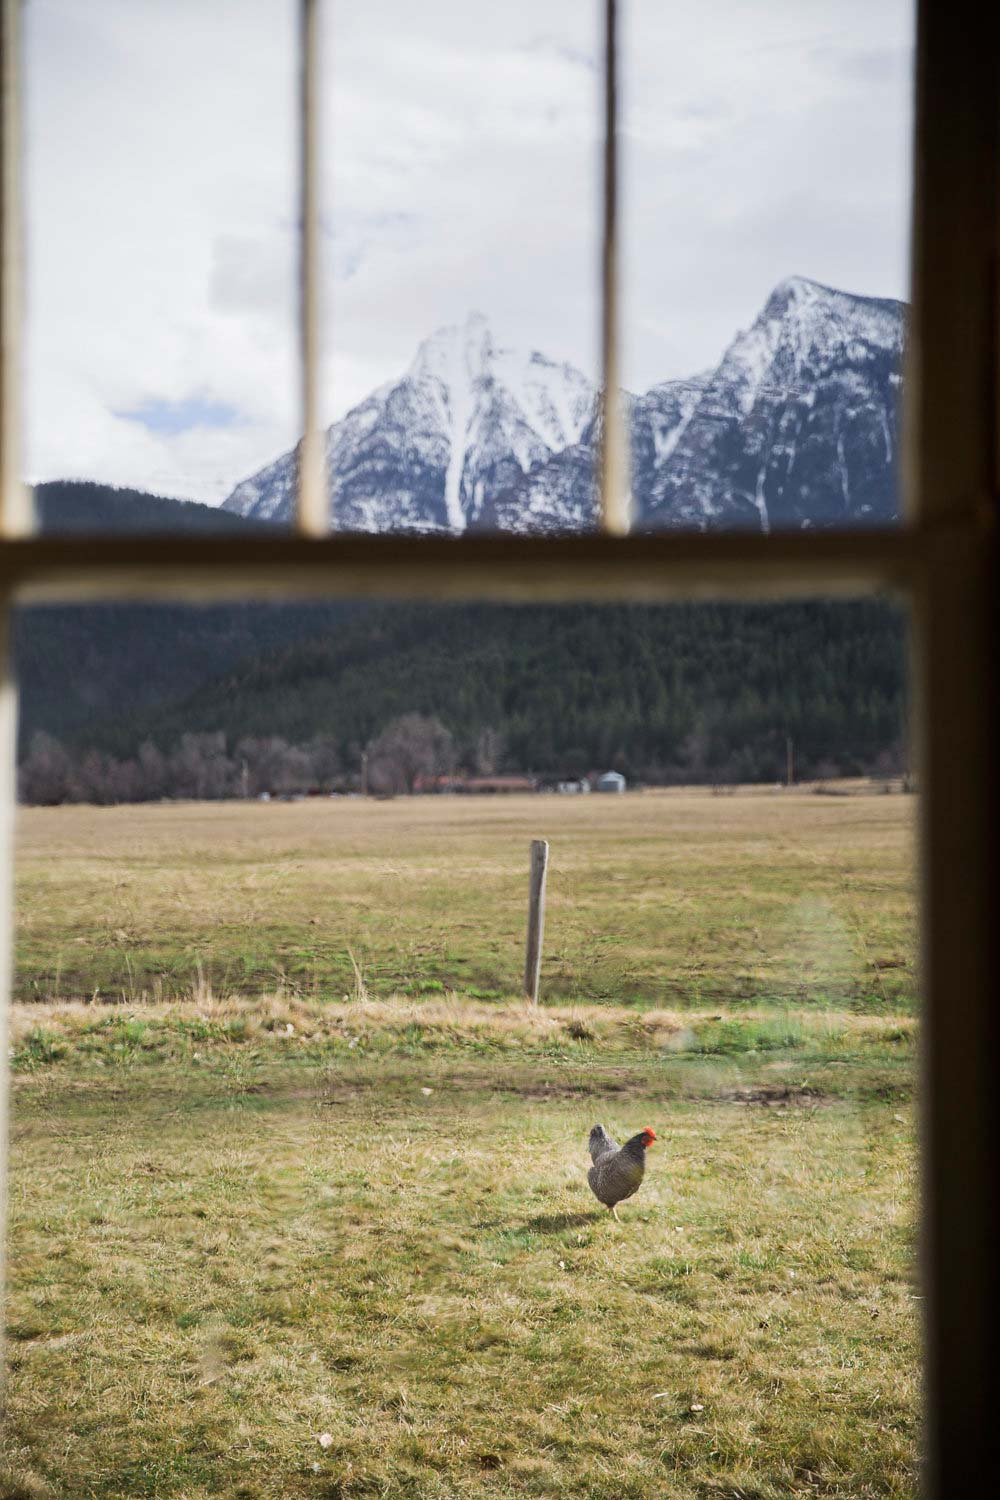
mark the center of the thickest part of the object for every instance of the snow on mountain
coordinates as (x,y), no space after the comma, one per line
(797,426)
(423,453)
(561,493)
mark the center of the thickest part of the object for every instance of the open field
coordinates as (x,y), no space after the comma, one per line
(230,1239)
(312,1197)
(675,899)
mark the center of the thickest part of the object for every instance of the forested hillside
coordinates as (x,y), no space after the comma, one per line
(77,506)
(103,664)
(664,693)
(674,693)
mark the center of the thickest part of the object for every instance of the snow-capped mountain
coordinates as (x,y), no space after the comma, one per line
(799,424)
(425,453)
(796,427)
(562,493)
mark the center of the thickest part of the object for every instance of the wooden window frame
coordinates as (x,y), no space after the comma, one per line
(942,561)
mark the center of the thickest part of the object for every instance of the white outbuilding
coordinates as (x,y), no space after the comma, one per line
(611,781)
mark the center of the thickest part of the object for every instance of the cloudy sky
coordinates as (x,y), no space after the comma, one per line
(761,138)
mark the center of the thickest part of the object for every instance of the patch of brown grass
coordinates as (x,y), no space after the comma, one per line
(668,901)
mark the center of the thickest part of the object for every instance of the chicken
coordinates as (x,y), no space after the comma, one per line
(618,1171)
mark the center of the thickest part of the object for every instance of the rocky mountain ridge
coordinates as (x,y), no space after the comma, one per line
(796,427)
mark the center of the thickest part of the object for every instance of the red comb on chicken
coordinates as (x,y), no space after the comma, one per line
(618,1171)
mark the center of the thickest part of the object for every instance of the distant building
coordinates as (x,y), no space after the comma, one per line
(573,787)
(496,784)
(611,781)
(476,784)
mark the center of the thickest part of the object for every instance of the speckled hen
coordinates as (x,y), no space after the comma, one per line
(618,1171)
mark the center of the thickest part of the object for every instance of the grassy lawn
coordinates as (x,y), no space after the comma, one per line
(675,899)
(230,1240)
(324,1231)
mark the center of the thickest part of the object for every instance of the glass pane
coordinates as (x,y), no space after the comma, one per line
(461,319)
(765,231)
(161,254)
(300,1193)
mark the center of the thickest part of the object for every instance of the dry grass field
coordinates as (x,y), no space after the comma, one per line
(673,899)
(286,1224)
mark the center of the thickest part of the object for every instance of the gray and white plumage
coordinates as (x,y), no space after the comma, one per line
(617,1171)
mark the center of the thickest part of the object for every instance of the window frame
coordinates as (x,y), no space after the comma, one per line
(942,561)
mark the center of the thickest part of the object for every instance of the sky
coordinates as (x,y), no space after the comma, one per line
(460,171)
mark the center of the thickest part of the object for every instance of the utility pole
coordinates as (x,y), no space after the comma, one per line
(364,773)
(789,761)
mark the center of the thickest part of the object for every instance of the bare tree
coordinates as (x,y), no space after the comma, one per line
(200,767)
(409,749)
(46,773)
(153,772)
(295,773)
(123,781)
(489,751)
(265,762)
(327,766)
(278,768)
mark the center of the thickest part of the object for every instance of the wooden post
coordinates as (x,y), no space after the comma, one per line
(789,761)
(536,918)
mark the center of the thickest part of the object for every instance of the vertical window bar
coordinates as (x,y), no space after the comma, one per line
(312,517)
(15,520)
(15,499)
(8,750)
(614,473)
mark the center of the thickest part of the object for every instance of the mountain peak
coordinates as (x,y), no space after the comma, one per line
(802,329)
(469,343)
(795,426)
(795,293)
(798,296)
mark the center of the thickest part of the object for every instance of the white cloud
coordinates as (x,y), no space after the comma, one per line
(461,157)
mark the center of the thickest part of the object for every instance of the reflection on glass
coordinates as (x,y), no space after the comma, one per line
(765,234)
(161,251)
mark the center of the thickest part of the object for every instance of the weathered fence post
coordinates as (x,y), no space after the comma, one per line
(536,918)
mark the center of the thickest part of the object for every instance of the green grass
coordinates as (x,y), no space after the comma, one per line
(654,900)
(228,1240)
(291,1161)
